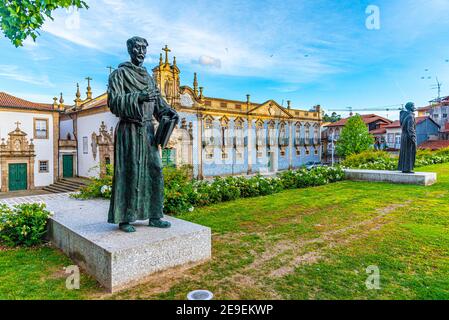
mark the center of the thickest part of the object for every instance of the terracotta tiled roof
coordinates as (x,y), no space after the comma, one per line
(378,131)
(9,101)
(434,144)
(394,124)
(421,119)
(367,118)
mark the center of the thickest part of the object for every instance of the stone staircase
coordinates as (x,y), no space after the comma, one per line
(66,185)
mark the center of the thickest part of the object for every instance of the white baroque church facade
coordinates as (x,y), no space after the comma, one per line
(41,143)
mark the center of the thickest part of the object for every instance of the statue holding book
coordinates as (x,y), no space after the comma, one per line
(138,185)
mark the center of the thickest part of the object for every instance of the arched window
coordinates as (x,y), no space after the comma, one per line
(271,133)
(307,133)
(238,129)
(208,130)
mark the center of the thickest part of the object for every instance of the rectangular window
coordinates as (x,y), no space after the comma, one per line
(223,104)
(238,106)
(224,155)
(282,153)
(316,151)
(85,145)
(210,154)
(444,115)
(298,151)
(207,103)
(40,128)
(43,166)
(390,138)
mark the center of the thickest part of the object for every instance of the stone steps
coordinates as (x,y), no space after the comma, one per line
(65,185)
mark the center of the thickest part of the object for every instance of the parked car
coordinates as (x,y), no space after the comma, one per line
(312,164)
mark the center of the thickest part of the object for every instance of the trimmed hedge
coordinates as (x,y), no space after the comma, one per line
(182,194)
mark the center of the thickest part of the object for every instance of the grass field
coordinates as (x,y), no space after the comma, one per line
(313,243)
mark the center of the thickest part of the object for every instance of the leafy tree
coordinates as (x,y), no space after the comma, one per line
(354,137)
(334,117)
(22,18)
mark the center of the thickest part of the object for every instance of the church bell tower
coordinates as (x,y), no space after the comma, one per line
(166,76)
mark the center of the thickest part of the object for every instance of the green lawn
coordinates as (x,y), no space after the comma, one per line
(313,243)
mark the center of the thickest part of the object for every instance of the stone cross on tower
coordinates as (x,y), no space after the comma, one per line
(17,124)
(89,89)
(167,50)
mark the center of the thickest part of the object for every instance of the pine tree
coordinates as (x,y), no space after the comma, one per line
(354,138)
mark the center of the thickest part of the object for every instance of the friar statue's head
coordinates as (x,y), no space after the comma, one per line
(410,106)
(137,49)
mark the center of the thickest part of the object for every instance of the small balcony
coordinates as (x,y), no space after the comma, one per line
(67,144)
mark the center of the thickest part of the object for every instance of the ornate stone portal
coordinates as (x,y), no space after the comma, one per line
(17,150)
(104,141)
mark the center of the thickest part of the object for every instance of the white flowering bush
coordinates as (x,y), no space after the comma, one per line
(380,160)
(183,194)
(23,224)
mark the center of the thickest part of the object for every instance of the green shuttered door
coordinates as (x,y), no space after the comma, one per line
(17,176)
(67,166)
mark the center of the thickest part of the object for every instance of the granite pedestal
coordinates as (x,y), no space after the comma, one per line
(418,178)
(118,259)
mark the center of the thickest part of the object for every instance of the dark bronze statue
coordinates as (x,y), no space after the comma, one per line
(407,153)
(138,186)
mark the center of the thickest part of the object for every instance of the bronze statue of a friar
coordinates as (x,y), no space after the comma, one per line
(138,185)
(407,153)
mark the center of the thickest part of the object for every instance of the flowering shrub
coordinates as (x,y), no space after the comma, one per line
(23,224)
(380,160)
(190,194)
(182,194)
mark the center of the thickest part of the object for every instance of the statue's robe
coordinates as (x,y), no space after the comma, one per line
(138,186)
(407,154)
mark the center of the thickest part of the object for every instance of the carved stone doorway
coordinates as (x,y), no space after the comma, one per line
(17,154)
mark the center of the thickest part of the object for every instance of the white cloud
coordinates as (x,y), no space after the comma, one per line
(13,72)
(208,61)
(198,38)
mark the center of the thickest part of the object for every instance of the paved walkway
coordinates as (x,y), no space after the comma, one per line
(35,198)
(22,193)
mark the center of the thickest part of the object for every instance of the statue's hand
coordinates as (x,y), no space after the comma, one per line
(147,96)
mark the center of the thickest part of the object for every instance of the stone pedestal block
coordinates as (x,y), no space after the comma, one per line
(419,178)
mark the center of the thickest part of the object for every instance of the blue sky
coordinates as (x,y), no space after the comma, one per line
(310,52)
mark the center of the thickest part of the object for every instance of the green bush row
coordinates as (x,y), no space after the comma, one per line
(182,194)
(23,224)
(381,160)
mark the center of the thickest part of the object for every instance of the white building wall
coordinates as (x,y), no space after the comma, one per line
(43,147)
(393,132)
(86,125)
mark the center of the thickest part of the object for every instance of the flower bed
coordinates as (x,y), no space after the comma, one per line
(23,224)
(380,160)
(182,194)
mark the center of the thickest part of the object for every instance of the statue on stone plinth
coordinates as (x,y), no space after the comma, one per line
(407,154)
(138,186)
